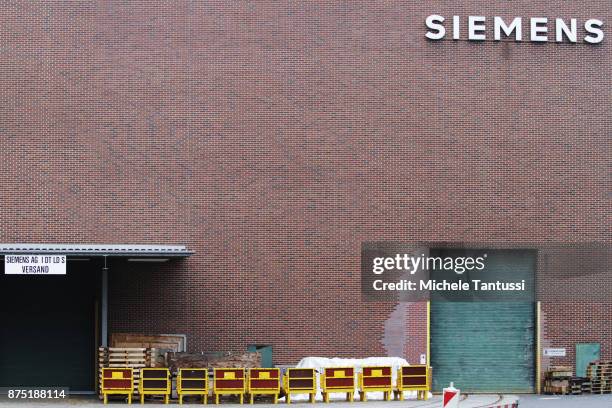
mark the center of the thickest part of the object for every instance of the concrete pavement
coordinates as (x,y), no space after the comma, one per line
(470,401)
(566,401)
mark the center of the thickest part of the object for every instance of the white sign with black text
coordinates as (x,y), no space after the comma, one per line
(554,352)
(35,264)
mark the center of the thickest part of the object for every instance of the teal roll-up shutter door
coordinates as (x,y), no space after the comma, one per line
(485,346)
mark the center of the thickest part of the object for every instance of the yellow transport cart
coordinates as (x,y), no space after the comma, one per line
(338,379)
(300,381)
(229,381)
(375,379)
(413,378)
(154,381)
(117,381)
(192,381)
(264,381)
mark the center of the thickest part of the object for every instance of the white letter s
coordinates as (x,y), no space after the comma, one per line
(434,22)
(593,26)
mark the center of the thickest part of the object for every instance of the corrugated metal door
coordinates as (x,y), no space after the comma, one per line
(485,346)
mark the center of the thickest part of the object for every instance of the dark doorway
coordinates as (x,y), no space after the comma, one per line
(48,328)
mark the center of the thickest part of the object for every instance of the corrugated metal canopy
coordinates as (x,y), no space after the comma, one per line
(96,249)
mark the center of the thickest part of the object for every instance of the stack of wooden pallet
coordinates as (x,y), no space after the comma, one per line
(586,386)
(600,374)
(135,358)
(156,357)
(213,360)
(579,385)
(557,380)
(165,342)
(157,345)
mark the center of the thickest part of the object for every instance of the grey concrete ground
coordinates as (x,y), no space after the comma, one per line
(479,401)
(568,401)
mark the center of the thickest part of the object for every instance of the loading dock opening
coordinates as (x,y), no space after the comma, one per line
(487,346)
(53,324)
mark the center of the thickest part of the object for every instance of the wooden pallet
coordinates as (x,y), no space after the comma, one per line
(555,390)
(579,385)
(600,375)
(129,357)
(156,357)
(557,381)
(575,391)
(559,372)
(586,387)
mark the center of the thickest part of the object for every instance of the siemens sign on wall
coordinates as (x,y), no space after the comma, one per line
(535,29)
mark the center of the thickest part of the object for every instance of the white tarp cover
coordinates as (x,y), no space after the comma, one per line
(319,363)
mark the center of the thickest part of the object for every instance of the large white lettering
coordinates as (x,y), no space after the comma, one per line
(540,29)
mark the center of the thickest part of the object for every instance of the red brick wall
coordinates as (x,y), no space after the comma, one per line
(567,323)
(272,138)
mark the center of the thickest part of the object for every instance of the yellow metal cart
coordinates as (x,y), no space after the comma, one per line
(192,381)
(117,381)
(338,379)
(264,381)
(300,381)
(229,381)
(155,381)
(375,379)
(413,378)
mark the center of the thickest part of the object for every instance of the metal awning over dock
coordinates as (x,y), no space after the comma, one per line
(177,251)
